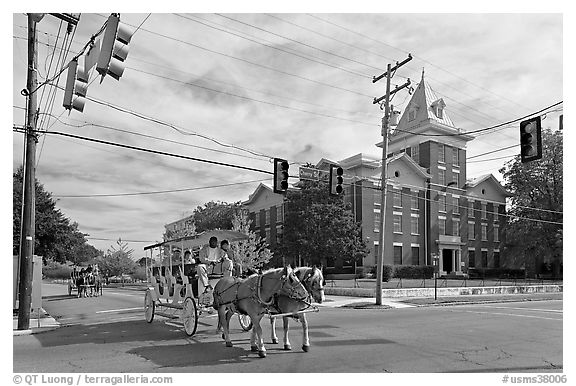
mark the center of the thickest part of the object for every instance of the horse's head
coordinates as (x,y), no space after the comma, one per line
(313,280)
(291,285)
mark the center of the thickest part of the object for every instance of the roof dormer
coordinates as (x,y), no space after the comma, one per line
(438,108)
(412,111)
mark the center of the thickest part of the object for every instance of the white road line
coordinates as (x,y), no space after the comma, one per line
(120,310)
(506,314)
(525,309)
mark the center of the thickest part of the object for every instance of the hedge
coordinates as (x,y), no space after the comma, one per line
(414,271)
(498,273)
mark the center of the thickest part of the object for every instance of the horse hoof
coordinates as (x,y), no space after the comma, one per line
(274,341)
(287,347)
(253,348)
(262,354)
(229,344)
(305,348)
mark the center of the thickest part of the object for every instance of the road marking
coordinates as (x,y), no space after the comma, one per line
(525,309)
(506,314)
(124,294)
(120,310)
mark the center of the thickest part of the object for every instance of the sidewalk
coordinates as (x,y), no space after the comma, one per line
(45,323)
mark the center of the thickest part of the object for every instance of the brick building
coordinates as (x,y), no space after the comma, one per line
(432,208)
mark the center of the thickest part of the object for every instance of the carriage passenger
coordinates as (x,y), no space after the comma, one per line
(211,255)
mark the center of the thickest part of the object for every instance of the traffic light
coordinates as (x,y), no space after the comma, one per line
(76,87)
(530,139)
(280,175)
(114,48)
(336,180)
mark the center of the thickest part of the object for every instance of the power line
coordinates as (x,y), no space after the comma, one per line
(160,191)
(156,151)
(291,52)
(424,60)
(301,43)
(155,138)
(255,64)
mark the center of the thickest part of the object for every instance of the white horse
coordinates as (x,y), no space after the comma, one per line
(252,296)
(313,281)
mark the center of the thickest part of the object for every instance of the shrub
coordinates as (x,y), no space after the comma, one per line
(497,273)
(54,270)
(387,272)
(360,272)
(414,271)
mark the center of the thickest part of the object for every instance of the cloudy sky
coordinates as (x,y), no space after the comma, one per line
(240,88)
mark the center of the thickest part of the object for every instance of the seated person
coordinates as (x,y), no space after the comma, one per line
(211,255)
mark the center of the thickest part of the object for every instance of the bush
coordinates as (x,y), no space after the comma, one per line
(497,273)
(387,272)
(360,272)
(54,270)
(414,271)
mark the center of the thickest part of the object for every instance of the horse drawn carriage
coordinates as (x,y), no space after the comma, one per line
(174,290)
(175,293)
(86,281)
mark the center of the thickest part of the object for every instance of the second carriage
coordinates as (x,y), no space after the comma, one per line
(174,290)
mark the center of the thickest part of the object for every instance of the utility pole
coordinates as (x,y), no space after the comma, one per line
(385,124)
(28,186)
(27,232)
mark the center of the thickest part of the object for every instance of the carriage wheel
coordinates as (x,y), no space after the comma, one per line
(189,316)
(69,289)
(149,307)
(245,322)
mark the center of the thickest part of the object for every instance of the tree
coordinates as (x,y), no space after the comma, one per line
(56,237)
(215,215)
(117,260)
(319,228)
(250,254)
(533,236)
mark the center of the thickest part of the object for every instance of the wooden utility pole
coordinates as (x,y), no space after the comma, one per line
(28,185)
(385,127)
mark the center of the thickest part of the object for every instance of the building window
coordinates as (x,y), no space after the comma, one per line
(496,218)
(442,177)
(411,114)
(397,223)
(377,220)
(471,231)
(496,259)
(484,259)
(280,213)
(483,205)
(455,227)
(397,255)
(397,198)
(442,226)
(267,217)
(414,225)
(456,157)
(471,259)
(414,201)
(415,255)
(484,232)
(496,234)
(455,205)
(257,220)
(441,153)
(376,251)
(456,177)
(442,203)
(415,153)
(470,208)
(279,234)
(439,111)
(268,236)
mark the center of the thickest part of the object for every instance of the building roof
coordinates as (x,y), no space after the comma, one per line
(410,162)
(489,178)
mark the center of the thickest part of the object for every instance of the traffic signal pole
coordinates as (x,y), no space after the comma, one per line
(385,124)
(28,186)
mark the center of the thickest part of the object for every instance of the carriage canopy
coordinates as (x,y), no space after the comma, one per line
(201,239)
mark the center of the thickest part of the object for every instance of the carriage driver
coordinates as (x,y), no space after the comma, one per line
(215,257)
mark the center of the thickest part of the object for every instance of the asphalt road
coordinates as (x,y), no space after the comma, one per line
(109,334)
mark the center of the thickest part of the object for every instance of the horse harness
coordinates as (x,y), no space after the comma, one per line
(273,302)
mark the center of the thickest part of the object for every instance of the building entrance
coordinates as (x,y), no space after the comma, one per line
(447,260)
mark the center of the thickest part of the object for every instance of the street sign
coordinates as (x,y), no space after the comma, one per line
(311,174)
